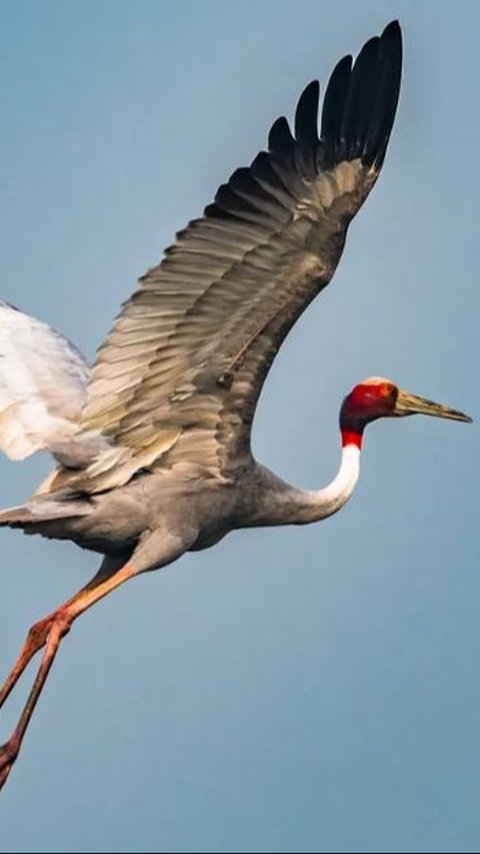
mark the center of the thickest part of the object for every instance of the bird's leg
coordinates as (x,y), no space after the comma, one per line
(38,633)
(154,549)
(49,632)
(35,640)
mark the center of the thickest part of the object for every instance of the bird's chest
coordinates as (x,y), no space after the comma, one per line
(215,519)
(201,512)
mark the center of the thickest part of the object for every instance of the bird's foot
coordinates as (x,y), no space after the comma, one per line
(8,755)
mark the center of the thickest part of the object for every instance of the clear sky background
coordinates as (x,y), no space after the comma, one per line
(310,689)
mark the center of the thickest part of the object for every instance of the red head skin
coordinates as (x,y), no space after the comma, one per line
(371,399)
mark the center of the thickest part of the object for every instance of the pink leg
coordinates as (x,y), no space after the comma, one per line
(49,633)
(38,633)
(36,639)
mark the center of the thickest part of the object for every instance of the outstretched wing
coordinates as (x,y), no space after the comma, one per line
(43,389)
(179,375)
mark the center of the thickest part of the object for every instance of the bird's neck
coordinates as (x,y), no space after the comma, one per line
(300,507)
(319,504)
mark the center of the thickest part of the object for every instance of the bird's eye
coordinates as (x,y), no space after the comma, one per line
(392,393)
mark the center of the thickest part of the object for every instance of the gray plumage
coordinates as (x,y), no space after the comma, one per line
(154,442)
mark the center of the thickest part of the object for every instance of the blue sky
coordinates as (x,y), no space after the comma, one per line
(312,689)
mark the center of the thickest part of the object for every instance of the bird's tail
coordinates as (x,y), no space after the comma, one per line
(37,513)
(15,516)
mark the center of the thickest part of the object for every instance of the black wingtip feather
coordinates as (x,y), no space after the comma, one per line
(358,110)
(306,116)
(306,131)
(361,92)
(357,118)
(387,94)
(393,29)
(363,101)
(333,108)
(280,137)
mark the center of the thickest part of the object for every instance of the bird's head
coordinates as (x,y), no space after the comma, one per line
(378,397)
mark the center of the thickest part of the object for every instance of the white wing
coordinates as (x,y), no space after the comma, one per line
(43,381)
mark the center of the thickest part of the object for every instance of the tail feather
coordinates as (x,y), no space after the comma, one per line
(42,511)
(15,517)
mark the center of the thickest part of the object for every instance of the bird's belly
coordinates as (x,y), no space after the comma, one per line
(209,538)
(113,526)
(101,538)
(117,520)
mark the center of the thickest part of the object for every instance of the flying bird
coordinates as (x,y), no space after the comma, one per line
(152,444)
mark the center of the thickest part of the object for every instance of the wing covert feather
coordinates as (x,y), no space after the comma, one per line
(184,363)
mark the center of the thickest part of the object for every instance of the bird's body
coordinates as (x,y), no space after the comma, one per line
(200,511)
(152,444)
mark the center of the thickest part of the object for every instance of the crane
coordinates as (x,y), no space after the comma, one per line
(152,444)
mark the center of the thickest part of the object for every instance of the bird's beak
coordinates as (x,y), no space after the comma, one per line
(411,404)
